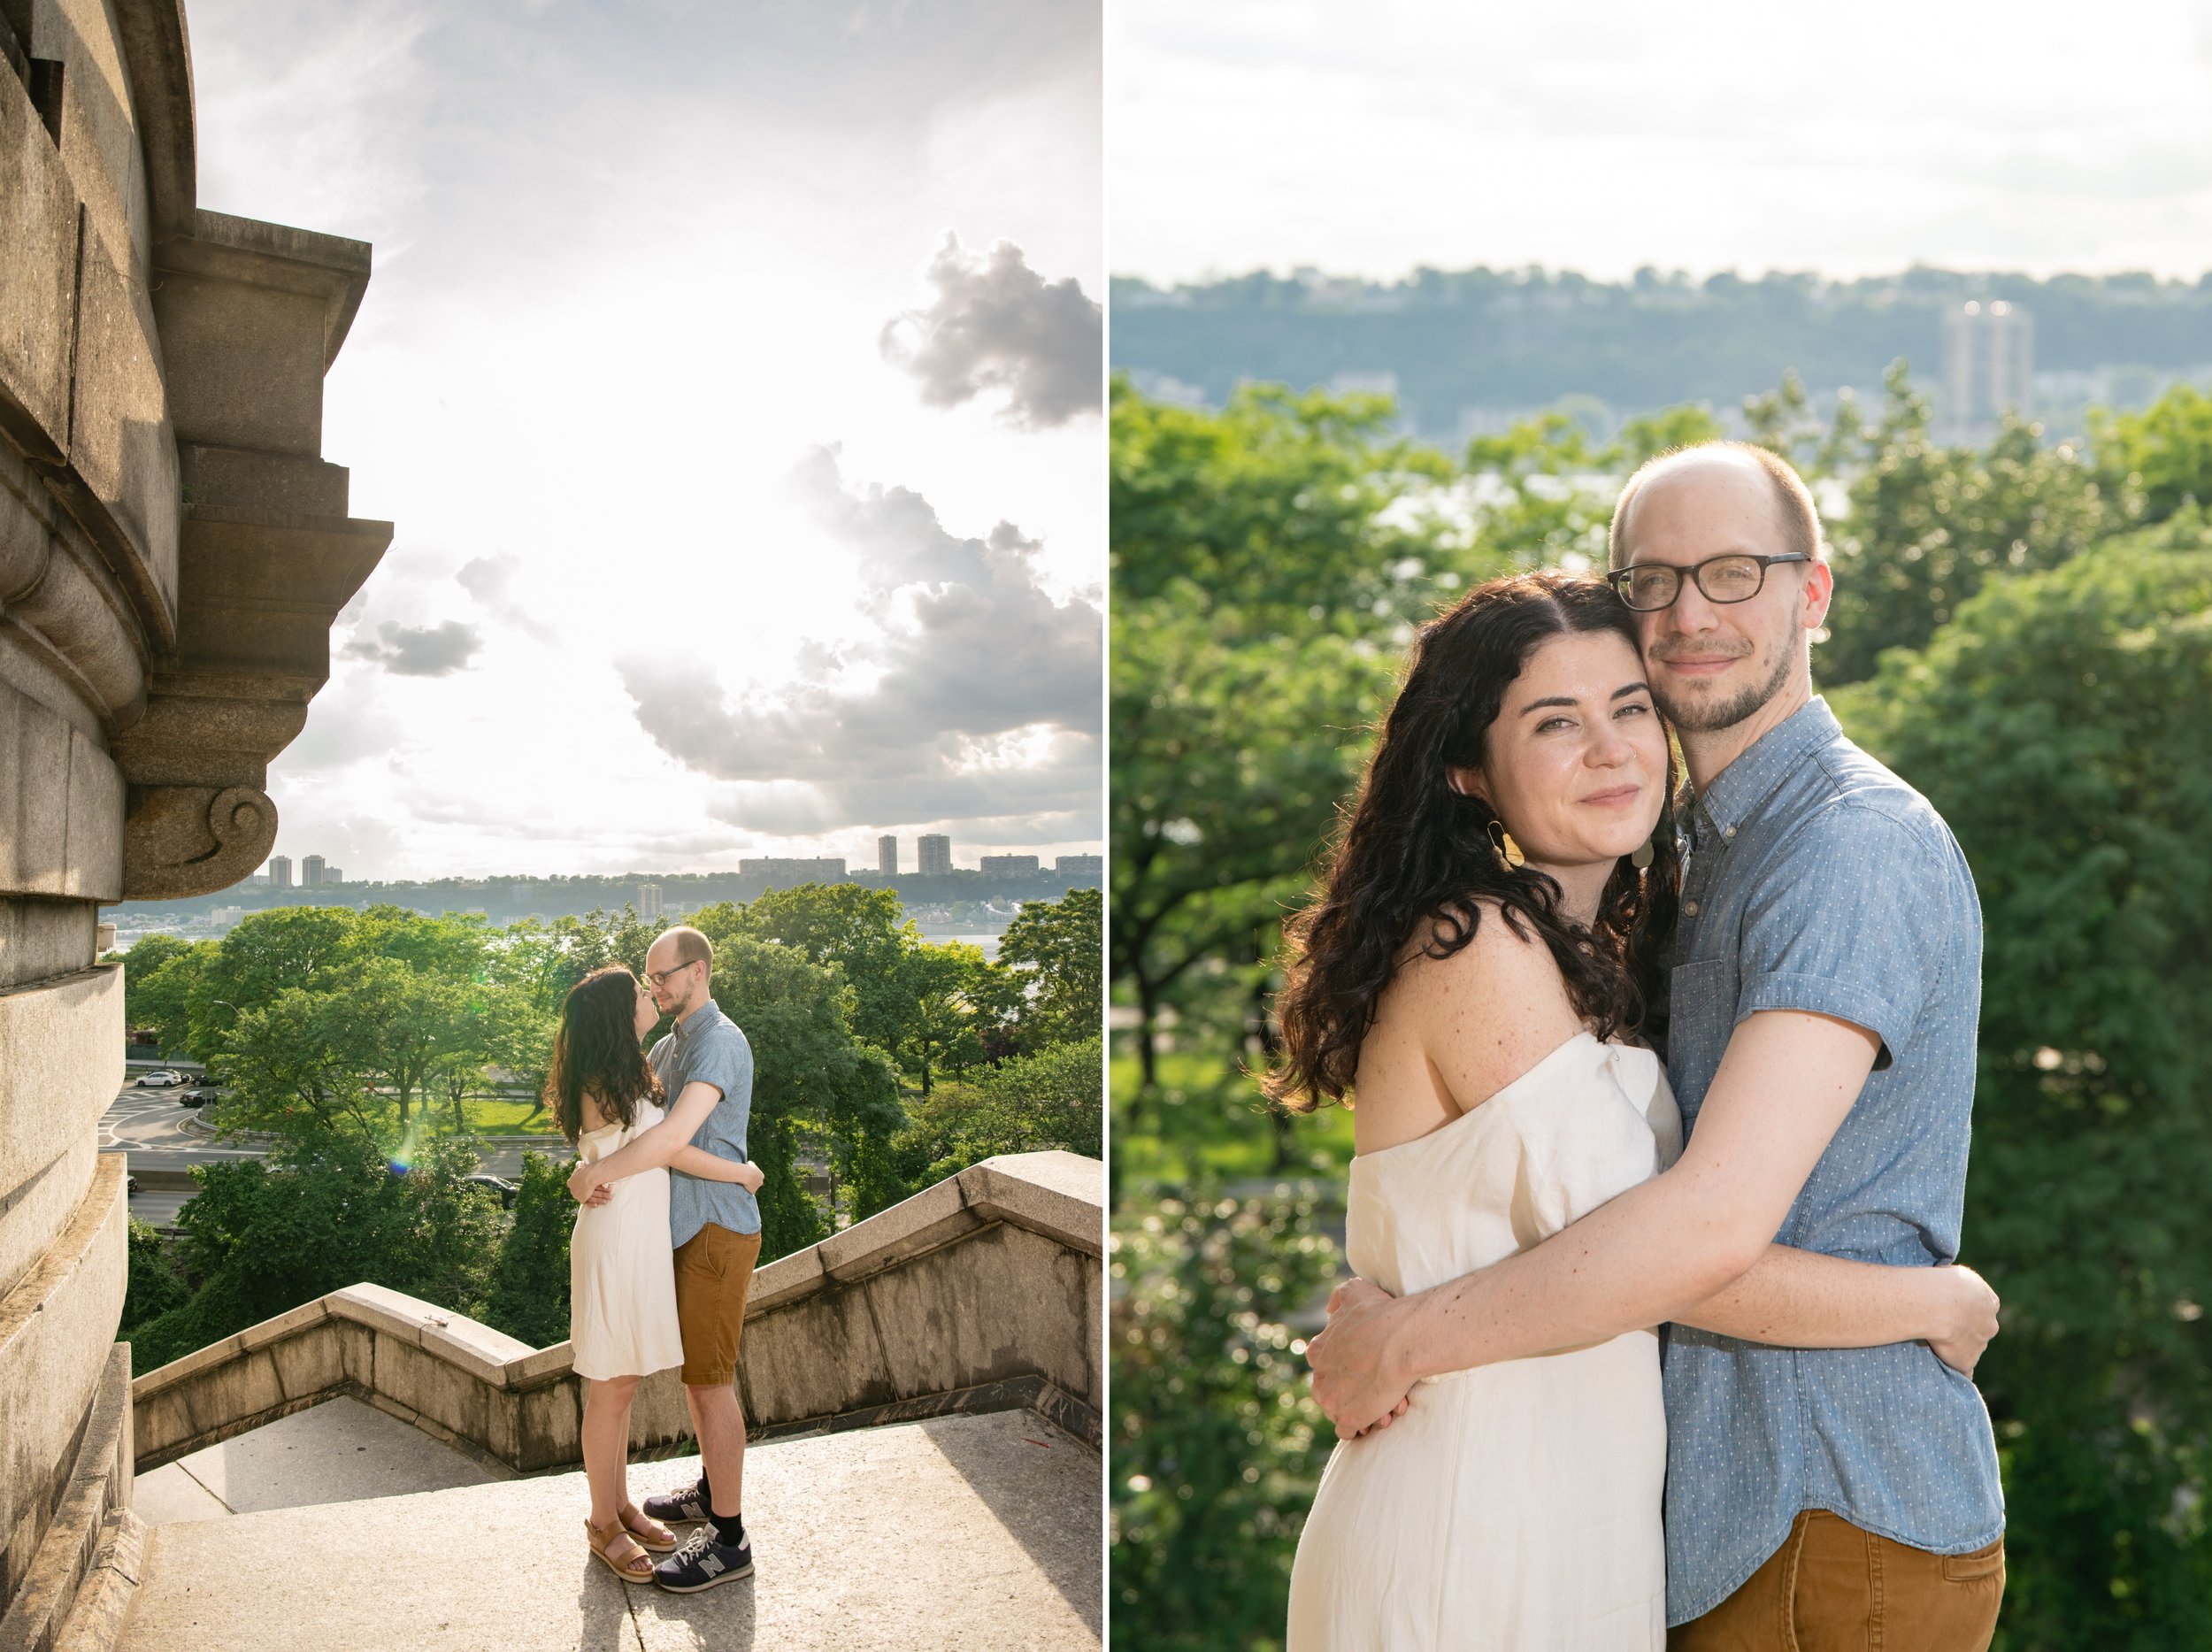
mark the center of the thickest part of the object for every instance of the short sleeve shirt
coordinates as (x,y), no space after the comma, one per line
(706,1045)
(1820,882)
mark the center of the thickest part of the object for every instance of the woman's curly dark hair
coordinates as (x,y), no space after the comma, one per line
(1415,853)
(597,1050)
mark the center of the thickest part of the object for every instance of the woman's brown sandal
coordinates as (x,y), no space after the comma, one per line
(649,1533)
(635,1566)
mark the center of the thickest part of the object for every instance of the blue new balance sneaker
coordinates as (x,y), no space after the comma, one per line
(682,1504)
(704,1561)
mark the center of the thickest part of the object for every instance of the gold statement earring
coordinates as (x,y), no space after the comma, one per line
(1505,848)
(1641,858)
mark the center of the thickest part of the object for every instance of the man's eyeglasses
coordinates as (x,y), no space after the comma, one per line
(1650,587)
(658,978)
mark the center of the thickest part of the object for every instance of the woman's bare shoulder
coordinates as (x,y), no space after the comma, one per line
(1502,957)
(1491,1009)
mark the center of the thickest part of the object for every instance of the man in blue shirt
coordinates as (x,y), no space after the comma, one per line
(1824,997)
(705,1067)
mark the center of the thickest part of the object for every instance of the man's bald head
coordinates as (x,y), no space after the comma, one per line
(1796,517)
(677,947)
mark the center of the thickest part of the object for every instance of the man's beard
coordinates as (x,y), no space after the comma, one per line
(1705,720)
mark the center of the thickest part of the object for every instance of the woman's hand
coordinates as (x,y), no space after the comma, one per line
(751,1176)
(1965,1319)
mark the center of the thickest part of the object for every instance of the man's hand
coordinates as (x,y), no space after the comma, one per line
(1354,1381)
(600,1194)
(581,1181)
(751,1176)
(1969,1322)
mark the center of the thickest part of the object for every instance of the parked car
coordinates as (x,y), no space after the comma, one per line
(500,1185)
(195,1098)
(159,1079)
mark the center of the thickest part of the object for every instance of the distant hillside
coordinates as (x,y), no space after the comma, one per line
(504,900)
(1468,349)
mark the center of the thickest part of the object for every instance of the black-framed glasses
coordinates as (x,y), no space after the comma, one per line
(1650,587)
(659,977)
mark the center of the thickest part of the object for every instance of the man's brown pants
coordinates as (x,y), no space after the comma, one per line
(1833,1587)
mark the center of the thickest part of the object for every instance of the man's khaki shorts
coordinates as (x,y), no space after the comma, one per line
(1836,1584)
(714,1274)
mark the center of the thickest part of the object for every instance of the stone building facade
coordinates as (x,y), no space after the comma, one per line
(173,549)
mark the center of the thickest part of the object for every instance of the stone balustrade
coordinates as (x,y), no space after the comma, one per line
(980,1292)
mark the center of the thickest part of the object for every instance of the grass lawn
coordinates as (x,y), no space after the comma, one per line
(1207,1122)
(486,1115)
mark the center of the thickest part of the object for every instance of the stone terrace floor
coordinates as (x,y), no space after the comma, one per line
(979,1532)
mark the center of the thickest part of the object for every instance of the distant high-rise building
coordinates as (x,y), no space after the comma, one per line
(1008,863)
(279,872)
(1080,863)
(784,872)
(331,874)
(936,852)
(225,917)
(888,856)
(649,903)
(1988,366)
(311,873)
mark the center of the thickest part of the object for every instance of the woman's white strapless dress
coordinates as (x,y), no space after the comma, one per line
(622,1269)
(1515,1507)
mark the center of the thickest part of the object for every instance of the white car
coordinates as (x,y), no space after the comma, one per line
(160,1079)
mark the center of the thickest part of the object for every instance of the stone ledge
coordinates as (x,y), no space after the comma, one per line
(468,1385)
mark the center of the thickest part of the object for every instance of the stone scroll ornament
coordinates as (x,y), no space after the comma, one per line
(180,840)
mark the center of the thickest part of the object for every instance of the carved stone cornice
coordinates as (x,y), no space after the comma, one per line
(258,591)
(180,840)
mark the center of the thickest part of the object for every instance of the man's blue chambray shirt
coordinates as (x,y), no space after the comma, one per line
(706,1044)
(1818,881)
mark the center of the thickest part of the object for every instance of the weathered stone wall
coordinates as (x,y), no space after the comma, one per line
(158,645)
(980,1292)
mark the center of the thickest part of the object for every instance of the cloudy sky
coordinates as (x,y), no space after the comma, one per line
(1370,138)
(730,368)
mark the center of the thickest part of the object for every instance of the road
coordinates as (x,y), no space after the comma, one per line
(149,1126)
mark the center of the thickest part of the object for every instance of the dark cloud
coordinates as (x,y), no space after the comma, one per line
(981,698)
(997,325)
(419,651)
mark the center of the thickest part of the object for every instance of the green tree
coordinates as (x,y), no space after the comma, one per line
(155,1286)
(2164,452)
(1053,1099)
(938,986)
(1928,524)
(2058,723)
(1216,1444)
(864,931)
(1055,952)
(1268,562)
(527,1297)
(264,1237)
(164,985)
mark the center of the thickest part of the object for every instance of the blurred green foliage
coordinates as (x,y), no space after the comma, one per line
(2025,633)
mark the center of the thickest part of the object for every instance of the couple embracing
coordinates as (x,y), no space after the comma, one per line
(662,1256)
(1528,910)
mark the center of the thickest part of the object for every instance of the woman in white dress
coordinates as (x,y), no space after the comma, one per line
(1478,969)
(621,1269)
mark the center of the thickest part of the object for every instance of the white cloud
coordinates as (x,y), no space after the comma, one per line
(968,689)
(996,325)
